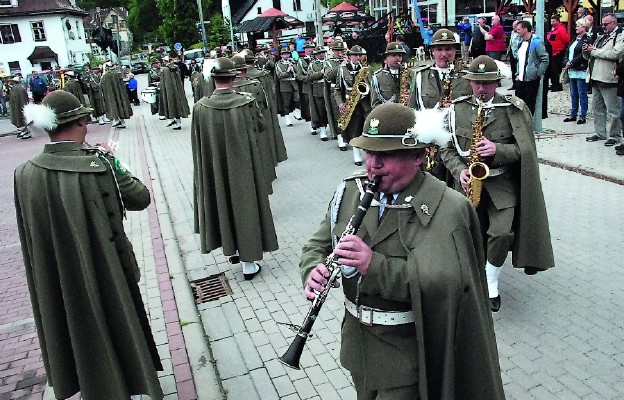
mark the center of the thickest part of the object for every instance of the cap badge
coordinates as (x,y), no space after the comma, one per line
(94,164)
(374,123)
(481,68)
(444,35)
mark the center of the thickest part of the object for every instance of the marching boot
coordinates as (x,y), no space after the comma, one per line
(122,123)
(287,120)
(314,131)
(171,123)
(492,273)
(101,120)
(250,269)
(116,122)
(161,117)
(323,133)
(177,124)
(105,119)
(357,156)
(341,144)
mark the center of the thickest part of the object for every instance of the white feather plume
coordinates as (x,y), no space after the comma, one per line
(432,126)
(504,69)
(40,116)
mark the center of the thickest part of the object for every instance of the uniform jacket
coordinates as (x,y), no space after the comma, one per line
(82,273)
(173,97)
(231,201)
(73,86)
(510,126)
(426,87)
(197,84)
(609,49)
(115,95)
(95,93)
(427,257)
(385,86)
(18,98)
(347,75)
(285,77)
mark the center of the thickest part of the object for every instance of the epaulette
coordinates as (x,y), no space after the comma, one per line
(379,70)
(248,95)
(461,98)
(359,174)
(515,100)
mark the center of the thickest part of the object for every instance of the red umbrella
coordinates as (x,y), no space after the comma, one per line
(272,20)
(345,14)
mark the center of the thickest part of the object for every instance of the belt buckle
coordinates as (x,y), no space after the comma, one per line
(365,315)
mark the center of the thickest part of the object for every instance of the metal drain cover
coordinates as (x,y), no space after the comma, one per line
(210,288)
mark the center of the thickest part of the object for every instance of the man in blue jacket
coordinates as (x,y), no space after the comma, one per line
(38,87)
(531,66)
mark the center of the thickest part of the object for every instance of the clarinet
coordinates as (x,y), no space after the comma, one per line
(293,354)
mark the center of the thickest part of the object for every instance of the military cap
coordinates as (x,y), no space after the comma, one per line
(356,50)
(394,48)
(338,45)
(239,62)
(483,68)
(247,54)
(262,47)
(443,37)
(284,50)
(57,108)
(393,126)
(173,54)
(223,67)
(309,45)
(319,49)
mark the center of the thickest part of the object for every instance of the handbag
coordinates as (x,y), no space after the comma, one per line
(564,77)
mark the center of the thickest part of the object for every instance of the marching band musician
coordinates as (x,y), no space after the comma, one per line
(289,93)
(386,82)
(318,111)
(265,61)
(330,72)
(91,77)
(301,71)
(511,210)
(416,323)
(428,82)
(115,96)
(345,79)
(153,79)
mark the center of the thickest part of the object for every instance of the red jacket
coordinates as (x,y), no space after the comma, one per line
(559,39)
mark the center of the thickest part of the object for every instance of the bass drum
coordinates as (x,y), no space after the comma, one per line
(149,95)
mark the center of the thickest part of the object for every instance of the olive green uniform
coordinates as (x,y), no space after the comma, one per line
(427,84)
(344,87)
(305,90)
(73,86)
(288,91)
(331,64)
(318,111)
(385,86)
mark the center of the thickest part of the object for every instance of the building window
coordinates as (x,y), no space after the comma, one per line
(14,67)
(38,31)
(259,10)
(9,34)
(78,30)
(296,5)
(5,3)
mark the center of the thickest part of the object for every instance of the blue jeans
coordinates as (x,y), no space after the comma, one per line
(3,106)
(578,91)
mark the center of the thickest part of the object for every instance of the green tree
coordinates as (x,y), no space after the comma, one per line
(91,4)
(179,20)
(139,25)
(217,34)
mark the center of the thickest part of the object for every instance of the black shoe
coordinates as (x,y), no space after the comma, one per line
(234,259)
(324,139)
(580,121)
(358,163)
(172,123)
(619,150)
(593,138)
(530,270)
(569,119)
(26,136)
(611,142)
(177,128)
(249,277)
(313,133)
(342,148)
(495,303)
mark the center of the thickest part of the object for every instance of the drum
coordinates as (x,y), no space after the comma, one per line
(149,95)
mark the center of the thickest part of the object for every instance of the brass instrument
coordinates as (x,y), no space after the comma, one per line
(293,354)
(404,85)
(360,88)
(477,169)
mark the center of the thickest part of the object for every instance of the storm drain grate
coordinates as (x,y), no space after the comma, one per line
(210,288)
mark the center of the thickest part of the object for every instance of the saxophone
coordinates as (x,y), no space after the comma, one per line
(404,86)
(360,88)
(477,169)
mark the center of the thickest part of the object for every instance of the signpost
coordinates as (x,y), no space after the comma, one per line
(178,47)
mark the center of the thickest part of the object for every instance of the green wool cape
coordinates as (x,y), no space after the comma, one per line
(231,201)
(73,86)
(115,96)
(173,98)
(18,98)
(82,273)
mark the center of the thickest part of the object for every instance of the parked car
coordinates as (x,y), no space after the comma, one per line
(139,67)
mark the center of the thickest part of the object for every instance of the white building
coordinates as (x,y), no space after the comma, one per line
(303,10)
(41,34)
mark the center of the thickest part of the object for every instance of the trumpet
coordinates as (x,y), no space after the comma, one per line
(293,354)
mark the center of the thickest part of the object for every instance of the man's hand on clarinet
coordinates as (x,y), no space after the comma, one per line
(317,280)
(353,252)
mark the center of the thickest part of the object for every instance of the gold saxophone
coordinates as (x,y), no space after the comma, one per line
(477,169)
(360,88)
(404,86)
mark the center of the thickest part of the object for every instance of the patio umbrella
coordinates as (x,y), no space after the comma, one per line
(345,14)
(272,20)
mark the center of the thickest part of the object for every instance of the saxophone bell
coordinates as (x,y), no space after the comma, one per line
(363,88)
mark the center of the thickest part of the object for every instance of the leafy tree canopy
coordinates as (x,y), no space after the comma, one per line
(91,4)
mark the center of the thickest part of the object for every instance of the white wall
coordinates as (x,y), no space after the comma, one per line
(58,38)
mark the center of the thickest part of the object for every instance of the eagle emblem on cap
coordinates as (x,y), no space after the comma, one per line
(444,35)
(481,68)
(374,123)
